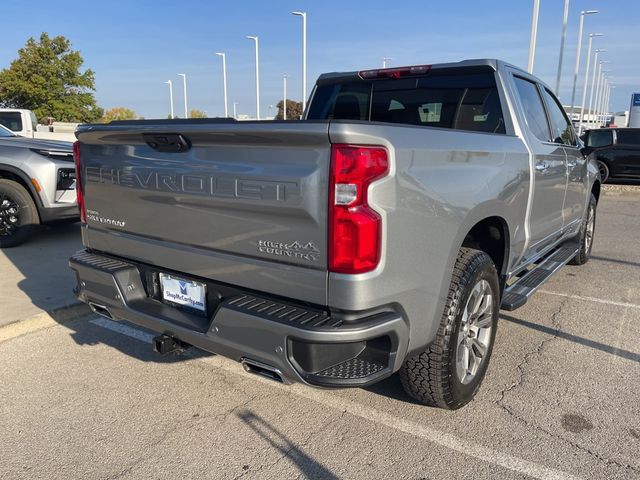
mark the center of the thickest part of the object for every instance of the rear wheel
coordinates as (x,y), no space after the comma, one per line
(449,373)
(18,214)
(604,171)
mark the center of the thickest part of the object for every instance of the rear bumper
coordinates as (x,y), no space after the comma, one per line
(304,344)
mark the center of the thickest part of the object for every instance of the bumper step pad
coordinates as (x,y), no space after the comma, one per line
(352,369)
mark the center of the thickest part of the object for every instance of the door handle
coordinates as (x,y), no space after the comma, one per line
(542,166)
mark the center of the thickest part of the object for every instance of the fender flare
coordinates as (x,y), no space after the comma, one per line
(27,181)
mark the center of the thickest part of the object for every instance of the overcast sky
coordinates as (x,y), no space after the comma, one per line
(135,46)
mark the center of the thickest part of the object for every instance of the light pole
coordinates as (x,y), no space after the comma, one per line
(184,84)
(385,60)
(303,15)
(170,83)
(235,110)
(586,79)
(284,97)
(562,38)
(613,113)
(255,39)
(534,34)
(595,86)
(577,69)
(597,106)
(224,81)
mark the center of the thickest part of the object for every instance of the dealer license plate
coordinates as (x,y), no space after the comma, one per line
(182,292)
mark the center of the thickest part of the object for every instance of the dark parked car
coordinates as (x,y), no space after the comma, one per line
(617,151)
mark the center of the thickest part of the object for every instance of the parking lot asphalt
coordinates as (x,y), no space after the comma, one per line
(35,277)
(89,399)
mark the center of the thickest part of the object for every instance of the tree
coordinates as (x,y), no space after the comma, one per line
(294,110)
(195,113)
(118,113)
(46,78)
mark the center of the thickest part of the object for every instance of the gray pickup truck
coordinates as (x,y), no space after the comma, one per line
(382,233)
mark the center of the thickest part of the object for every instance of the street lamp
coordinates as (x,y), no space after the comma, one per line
(184,84)
(224,81)
(170,83)
(577,70)
(586,79)
(284,97)
(304,56)
(255,39)
(602,80)
(595,83)
(384,61)
(562,38)
(235,110)
(534,34)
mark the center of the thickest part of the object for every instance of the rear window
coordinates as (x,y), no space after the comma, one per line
(11,120)
(599,138)
(461,102)
(628,137)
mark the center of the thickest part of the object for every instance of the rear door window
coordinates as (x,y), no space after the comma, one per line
(11,120)
(628,137)
(534,113)
(561,129)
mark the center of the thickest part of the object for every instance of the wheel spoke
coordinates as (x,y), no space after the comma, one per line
(478,347)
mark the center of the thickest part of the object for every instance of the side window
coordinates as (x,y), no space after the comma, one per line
(561,129)
(11,120)
(628,137)
(599,138)
(533,110)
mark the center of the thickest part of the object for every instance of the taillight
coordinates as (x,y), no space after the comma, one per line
(79,186)
(355,229)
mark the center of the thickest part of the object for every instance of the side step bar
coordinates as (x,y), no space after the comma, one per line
(517,294)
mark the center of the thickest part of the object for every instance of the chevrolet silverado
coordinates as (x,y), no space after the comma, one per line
(381,234)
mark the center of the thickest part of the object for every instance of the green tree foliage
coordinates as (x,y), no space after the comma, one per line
(294,110)
(195,113)
(46,78)
(118,113)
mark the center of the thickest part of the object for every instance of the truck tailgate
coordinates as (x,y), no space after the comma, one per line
(245,197)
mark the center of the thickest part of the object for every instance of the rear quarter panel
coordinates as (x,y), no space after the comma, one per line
(441,183)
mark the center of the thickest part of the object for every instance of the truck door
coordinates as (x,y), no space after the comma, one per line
(563,134)
(627,152)
(549,168)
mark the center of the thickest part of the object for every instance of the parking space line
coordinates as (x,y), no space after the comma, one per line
(592,299)
(122,328)
(337,402)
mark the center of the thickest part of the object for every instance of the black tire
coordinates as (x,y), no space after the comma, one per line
(586,240)
(18,214)
(431,377)
(604,171)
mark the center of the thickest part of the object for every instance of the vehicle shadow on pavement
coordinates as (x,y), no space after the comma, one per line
(35,276)
(86,333)
(626,354)
(308,466)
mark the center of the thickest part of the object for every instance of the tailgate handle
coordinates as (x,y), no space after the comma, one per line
(167,142)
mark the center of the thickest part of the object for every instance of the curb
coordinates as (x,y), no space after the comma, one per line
(51,318)
(620,190)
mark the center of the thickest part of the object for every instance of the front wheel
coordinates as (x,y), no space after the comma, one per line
(449,373)
(585,237)
(18,214)
(604,171)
